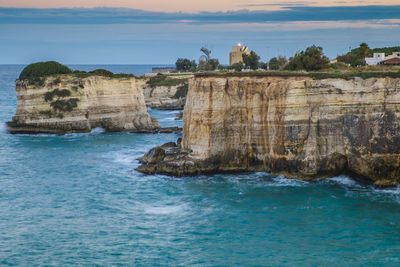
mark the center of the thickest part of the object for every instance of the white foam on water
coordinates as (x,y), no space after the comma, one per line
(97,130)
(3,127)
(163,210)
(343,180)
(125,158)
(283,181)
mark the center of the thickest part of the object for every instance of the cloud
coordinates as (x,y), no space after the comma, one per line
(134,16)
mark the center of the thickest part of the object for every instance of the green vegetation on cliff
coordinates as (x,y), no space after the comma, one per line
(41,69)
(181,91)
(100,72)
(163,80)
(311,59)
(56,92)
(35,71)
(314,75)
(64,105)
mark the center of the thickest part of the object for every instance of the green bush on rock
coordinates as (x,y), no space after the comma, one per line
(65,105)
(41,69)
(181,91)
(56,92)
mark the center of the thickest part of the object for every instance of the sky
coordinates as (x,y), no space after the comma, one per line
(159,32)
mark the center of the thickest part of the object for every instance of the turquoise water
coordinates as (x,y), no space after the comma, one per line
(74,200)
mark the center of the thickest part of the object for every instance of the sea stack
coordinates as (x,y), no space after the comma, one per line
(80,102)
(299,125)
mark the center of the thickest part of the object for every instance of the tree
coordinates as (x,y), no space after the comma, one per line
(251,60)
(212,64)
(237,66)
(277,63)
(273,64)
(356,57)
(184,64)
(310,60)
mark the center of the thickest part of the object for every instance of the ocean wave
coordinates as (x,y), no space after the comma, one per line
(3,127)
(341,180)
(283,181)
(164,210)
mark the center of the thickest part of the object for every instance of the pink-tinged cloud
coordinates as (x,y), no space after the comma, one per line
(190,5)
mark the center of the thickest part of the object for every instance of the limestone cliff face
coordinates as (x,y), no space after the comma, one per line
(296,126)
(162,97)
(65,103)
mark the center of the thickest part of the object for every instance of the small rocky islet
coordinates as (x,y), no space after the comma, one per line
(301,125)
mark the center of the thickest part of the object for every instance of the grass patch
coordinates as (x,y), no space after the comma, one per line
(163,80)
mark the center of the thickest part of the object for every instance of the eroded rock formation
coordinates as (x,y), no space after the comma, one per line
(163,97)
(66,103)
(296,126)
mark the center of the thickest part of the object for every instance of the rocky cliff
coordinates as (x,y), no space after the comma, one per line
(66,103)
(165,96)
(297,126)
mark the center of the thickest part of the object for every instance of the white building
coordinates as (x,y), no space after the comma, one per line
(378,57)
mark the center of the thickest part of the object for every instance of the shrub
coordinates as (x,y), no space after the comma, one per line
(59,93)
(65,105)
(251,60)
(46,113)
(102,72)
(237,66)
(184,64)
(42,69)
(36,80)
(57,81)
(181,91)
(162,80)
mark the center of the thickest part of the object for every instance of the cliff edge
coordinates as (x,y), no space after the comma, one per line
(68,103)
(293,125)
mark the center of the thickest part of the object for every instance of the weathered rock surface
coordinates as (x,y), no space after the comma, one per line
(162,97)
(296,126)
(65,103)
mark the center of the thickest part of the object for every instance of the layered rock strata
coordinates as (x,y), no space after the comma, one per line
(296,126)
(66,103)
(163,97)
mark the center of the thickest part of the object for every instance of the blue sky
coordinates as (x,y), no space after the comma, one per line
(130,36)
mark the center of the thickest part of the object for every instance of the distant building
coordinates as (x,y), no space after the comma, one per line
(395,61)
(381,58)
(236,55)
(393,55)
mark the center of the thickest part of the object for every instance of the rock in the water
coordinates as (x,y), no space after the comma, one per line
(156,154)
(67,103)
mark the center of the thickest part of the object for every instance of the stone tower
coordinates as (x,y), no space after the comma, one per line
(235,56)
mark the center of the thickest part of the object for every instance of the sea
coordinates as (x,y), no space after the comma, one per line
(76,200)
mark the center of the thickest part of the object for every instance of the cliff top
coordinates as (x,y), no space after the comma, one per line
(35,71)
(313,75)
